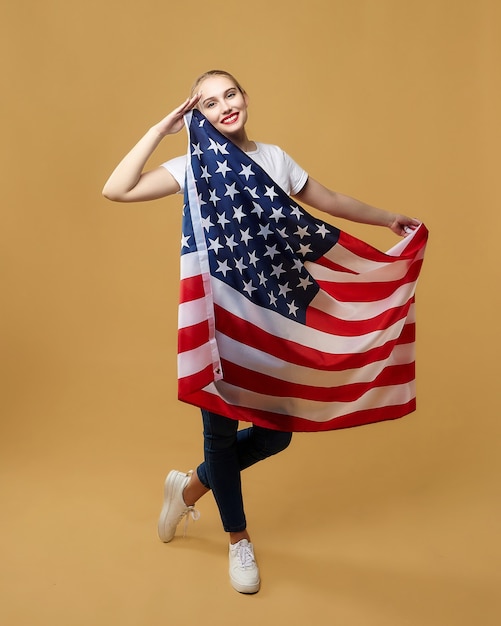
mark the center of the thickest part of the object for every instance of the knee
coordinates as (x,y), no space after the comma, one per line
(282,441)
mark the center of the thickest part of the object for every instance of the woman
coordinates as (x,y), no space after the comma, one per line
(222,100)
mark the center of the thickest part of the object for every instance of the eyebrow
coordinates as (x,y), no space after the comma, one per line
(224,93)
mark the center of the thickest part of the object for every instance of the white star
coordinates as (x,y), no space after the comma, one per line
(262,278)
(184,241)
(196,150)
(222,168)
(205,174)
(239,264)
(283,232)
(253,260)
(201,123)
(231,191)
(213,197)
(257,209)
(276,214)
(302,231)
(271,251)
(264,231)
(201,200)
(248,287)
(305,249)
(230,242)
(283,289)
(238,213)
(277,270)
(221,218)
(246,237)
(206,223)
(215,245)
(297,212)
(305,283)
(252,191)
(322,230)
(298,265)
(246,171)
(222,148)
(213,146)
(270,192)
(293,308)
(272,298)
(223,267)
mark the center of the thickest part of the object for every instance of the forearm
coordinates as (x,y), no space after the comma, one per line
(357,211)
(128,172)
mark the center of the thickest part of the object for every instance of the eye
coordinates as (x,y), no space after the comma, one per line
(231,94)
(209,105)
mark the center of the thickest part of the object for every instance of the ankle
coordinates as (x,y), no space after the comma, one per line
(238,536)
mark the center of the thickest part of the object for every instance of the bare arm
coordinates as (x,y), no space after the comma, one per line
(316,195)
(128,182)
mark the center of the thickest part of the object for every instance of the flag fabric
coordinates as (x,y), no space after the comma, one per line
(284,320)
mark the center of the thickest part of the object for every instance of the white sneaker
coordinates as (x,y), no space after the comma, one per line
(174,508)
(244,573)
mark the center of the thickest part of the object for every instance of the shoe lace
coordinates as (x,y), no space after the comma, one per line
(192,512)
(245,555)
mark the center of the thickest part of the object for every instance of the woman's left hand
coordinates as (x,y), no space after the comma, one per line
(403,225)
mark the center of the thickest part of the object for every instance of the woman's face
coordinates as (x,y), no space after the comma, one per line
(223,104)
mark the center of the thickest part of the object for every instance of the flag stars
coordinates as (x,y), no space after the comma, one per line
(296,211)
(215,245)
(277,214)
(231,191)
(322,230)
(221,219)
(273,299)
(205,173)
(184,241)
(270,192)
(196,150)
(222,168)
(249,287)
(246,171)
(262,279)
(283,290)
(305,282)
(304,249)
(278,270)
(238,213)
(230,242)
(271,251)
(302,231)
(253,258)
(206,223)
(223,267)
(213,197)
(246,236)
(239,264)
(293,309)
(265,231)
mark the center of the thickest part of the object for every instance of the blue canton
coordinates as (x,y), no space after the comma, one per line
(257,237)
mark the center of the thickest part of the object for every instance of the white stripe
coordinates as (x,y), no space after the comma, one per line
(311,410)
(264,363)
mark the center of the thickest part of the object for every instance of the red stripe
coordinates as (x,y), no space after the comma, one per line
(315,318)
(369,291)
(190,384)
(258,382)
(191,289)
(191,337)
(276,421)
(293,352)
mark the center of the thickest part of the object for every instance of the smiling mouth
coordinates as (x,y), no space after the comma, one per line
(230,119)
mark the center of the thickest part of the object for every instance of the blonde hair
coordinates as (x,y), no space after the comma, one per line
(211,73)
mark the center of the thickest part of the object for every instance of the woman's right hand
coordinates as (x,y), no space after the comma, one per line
(174,122)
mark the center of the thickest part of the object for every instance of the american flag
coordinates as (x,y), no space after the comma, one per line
(284,320)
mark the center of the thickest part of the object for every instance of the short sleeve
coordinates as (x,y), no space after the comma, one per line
(177,167)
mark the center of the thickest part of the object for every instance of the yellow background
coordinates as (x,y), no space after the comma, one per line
(394,102)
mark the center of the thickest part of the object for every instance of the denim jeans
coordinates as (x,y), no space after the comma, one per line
(227,451)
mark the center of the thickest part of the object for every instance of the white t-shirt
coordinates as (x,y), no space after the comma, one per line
(288,175)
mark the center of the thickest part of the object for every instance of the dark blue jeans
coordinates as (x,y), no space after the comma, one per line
(227,452)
